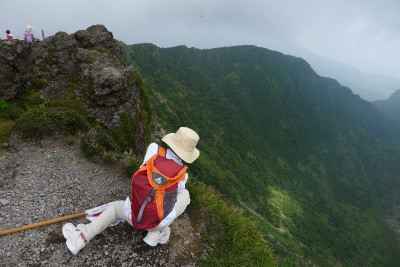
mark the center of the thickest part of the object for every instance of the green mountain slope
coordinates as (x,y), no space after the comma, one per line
(391,106)
(316,163)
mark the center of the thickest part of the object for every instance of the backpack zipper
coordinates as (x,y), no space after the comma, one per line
(147,200)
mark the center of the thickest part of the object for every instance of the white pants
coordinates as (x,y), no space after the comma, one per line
(116,212)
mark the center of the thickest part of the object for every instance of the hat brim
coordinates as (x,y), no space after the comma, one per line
(187,156)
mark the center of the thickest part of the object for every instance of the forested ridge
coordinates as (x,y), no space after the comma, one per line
(318,163)
(390,107)
(71,100)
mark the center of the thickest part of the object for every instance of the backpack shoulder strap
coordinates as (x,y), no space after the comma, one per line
(162,151)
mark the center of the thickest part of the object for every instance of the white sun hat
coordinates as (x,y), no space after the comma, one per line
(183,143)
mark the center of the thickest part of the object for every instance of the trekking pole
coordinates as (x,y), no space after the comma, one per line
(30,226)
(92,212)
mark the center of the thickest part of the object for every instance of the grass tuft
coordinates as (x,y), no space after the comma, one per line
(97,141)
(3,105)
(126,134)
(41,121)
(235,238)
(5,128)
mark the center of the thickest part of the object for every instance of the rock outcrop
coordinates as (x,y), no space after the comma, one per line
(50,178)
(85,65)
(15,68)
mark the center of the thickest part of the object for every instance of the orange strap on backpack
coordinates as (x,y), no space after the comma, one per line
(159,181)
(162,151)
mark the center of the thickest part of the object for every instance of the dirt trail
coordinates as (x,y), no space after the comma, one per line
(48,179)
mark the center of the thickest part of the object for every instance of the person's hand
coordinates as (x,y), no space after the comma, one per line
(154,229)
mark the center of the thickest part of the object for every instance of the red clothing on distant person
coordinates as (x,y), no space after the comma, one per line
(9,36)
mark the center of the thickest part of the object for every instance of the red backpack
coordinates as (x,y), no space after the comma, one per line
(154,190)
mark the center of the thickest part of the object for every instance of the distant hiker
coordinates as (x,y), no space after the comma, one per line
(29,35)
(8,35)
(162,177)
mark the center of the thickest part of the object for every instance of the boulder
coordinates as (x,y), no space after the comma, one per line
(97,36)
(15,68)
(85,65)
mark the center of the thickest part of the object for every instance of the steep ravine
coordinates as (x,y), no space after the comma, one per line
(47,179)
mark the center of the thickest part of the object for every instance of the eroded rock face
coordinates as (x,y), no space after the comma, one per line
(97,36)
(55,62)
(15,68)
(85,65)
(110,93)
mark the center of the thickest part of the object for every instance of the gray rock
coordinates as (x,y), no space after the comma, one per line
(4,201)
(5,145)
(15,68)
(86,64)
(97,36)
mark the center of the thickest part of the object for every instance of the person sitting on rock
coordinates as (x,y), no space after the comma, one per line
(8,35)
(179,146)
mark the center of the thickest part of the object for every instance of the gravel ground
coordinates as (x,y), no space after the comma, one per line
(48,179)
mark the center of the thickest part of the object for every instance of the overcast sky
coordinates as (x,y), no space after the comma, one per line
(364,34)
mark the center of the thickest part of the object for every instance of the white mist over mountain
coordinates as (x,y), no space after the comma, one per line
(362,34)
(369,86)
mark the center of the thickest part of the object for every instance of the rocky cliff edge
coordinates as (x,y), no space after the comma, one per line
(46,178)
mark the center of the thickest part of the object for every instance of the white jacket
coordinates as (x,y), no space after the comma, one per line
(152,149)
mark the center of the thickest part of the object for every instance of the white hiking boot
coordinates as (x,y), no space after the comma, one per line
(73,236)
(157,237)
